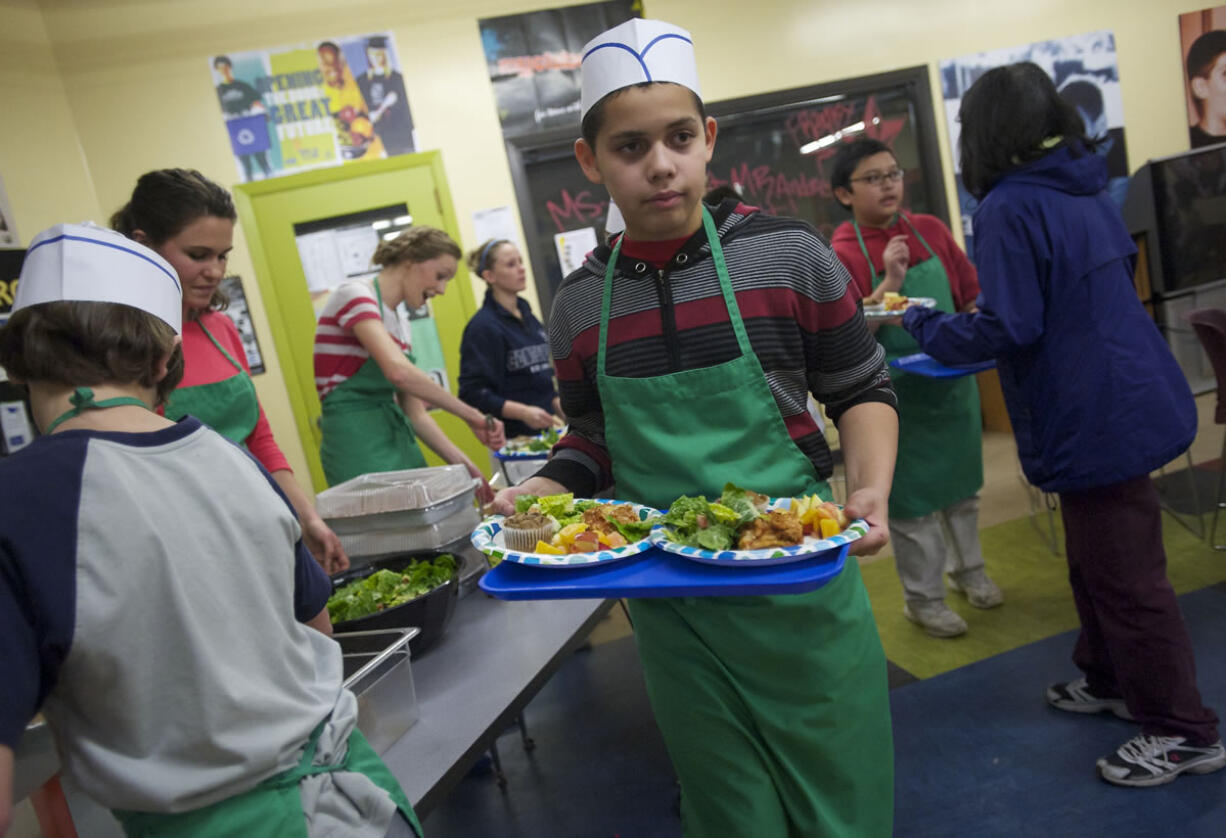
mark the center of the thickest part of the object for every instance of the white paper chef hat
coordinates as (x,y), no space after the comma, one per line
(634,52)
(85,262)
(614,222)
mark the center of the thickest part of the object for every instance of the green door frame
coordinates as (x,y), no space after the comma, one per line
(269,209)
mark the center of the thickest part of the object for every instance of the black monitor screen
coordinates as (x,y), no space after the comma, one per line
(1190,206)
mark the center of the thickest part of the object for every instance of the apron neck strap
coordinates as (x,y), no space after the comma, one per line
(220,348)
(82,399)
(864,250)
(915,230)
(725,287)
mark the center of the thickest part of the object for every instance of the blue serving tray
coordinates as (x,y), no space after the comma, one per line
(655,573)
(924,364)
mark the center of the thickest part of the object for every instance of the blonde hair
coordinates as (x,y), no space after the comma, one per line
(416,244)
(482,259)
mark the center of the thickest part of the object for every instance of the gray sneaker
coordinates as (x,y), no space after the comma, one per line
(1075,697)
(935,617)
(980,591)
(1154,760)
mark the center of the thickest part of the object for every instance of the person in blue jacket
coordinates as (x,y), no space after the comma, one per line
(505,367)
(1097,403)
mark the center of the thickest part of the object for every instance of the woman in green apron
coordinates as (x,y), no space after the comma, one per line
(373,396)
(940,454)
(189,221)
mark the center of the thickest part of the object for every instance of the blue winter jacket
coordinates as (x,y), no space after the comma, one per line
(1093,392)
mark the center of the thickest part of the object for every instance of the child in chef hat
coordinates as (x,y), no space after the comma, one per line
(157,604)
(685,355)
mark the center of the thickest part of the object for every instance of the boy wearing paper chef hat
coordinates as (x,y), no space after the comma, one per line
(124,530)
(685,354)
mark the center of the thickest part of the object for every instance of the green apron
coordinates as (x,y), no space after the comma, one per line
(773,708)
(229,406)
(940,432)
(364,429)
(273,809)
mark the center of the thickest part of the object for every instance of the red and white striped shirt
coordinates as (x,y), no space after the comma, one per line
(338,352)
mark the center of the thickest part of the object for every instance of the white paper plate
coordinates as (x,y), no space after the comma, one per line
(490,540)
(877,311)
(763,556)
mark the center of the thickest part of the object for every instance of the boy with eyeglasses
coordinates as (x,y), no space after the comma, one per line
(934,502)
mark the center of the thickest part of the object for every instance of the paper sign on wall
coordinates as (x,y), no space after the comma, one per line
(573,246)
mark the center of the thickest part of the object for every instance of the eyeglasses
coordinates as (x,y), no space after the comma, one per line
(879,178)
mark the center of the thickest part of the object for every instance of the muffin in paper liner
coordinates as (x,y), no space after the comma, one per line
(522,531)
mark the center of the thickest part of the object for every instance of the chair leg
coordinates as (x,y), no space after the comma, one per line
(1036,499)
(1217,499)
(1182,518)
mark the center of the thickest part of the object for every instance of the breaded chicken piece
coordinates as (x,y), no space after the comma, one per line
(597,518)
(780,528)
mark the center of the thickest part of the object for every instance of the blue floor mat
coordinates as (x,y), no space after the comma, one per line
(979,753)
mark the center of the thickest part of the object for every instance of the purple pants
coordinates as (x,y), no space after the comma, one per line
(1133,639)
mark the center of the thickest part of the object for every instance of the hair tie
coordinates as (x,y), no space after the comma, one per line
(482,267)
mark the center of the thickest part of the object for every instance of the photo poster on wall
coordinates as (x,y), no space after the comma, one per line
(534,59)
(240,315)
(1085,71)
(1202,37)
(289,109)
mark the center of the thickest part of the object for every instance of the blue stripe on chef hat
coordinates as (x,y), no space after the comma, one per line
(65,237)
(640,55)
(87,263)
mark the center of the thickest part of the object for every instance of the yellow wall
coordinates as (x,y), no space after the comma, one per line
(38,133)
(96,93)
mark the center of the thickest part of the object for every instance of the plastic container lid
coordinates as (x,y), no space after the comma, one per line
(394,491)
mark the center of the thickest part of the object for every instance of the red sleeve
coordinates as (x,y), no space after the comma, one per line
(260,442)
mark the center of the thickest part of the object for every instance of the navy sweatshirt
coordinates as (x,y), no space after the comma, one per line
(503,357)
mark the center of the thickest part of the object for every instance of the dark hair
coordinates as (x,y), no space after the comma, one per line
(328,45)
(1202,55)
(416,244)
(1006,117)
(482,259)
(83,344)
(593,120)
(1204,52)
(719,194)
(165,201)
(1084,94)
(849,155)
(222,59)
